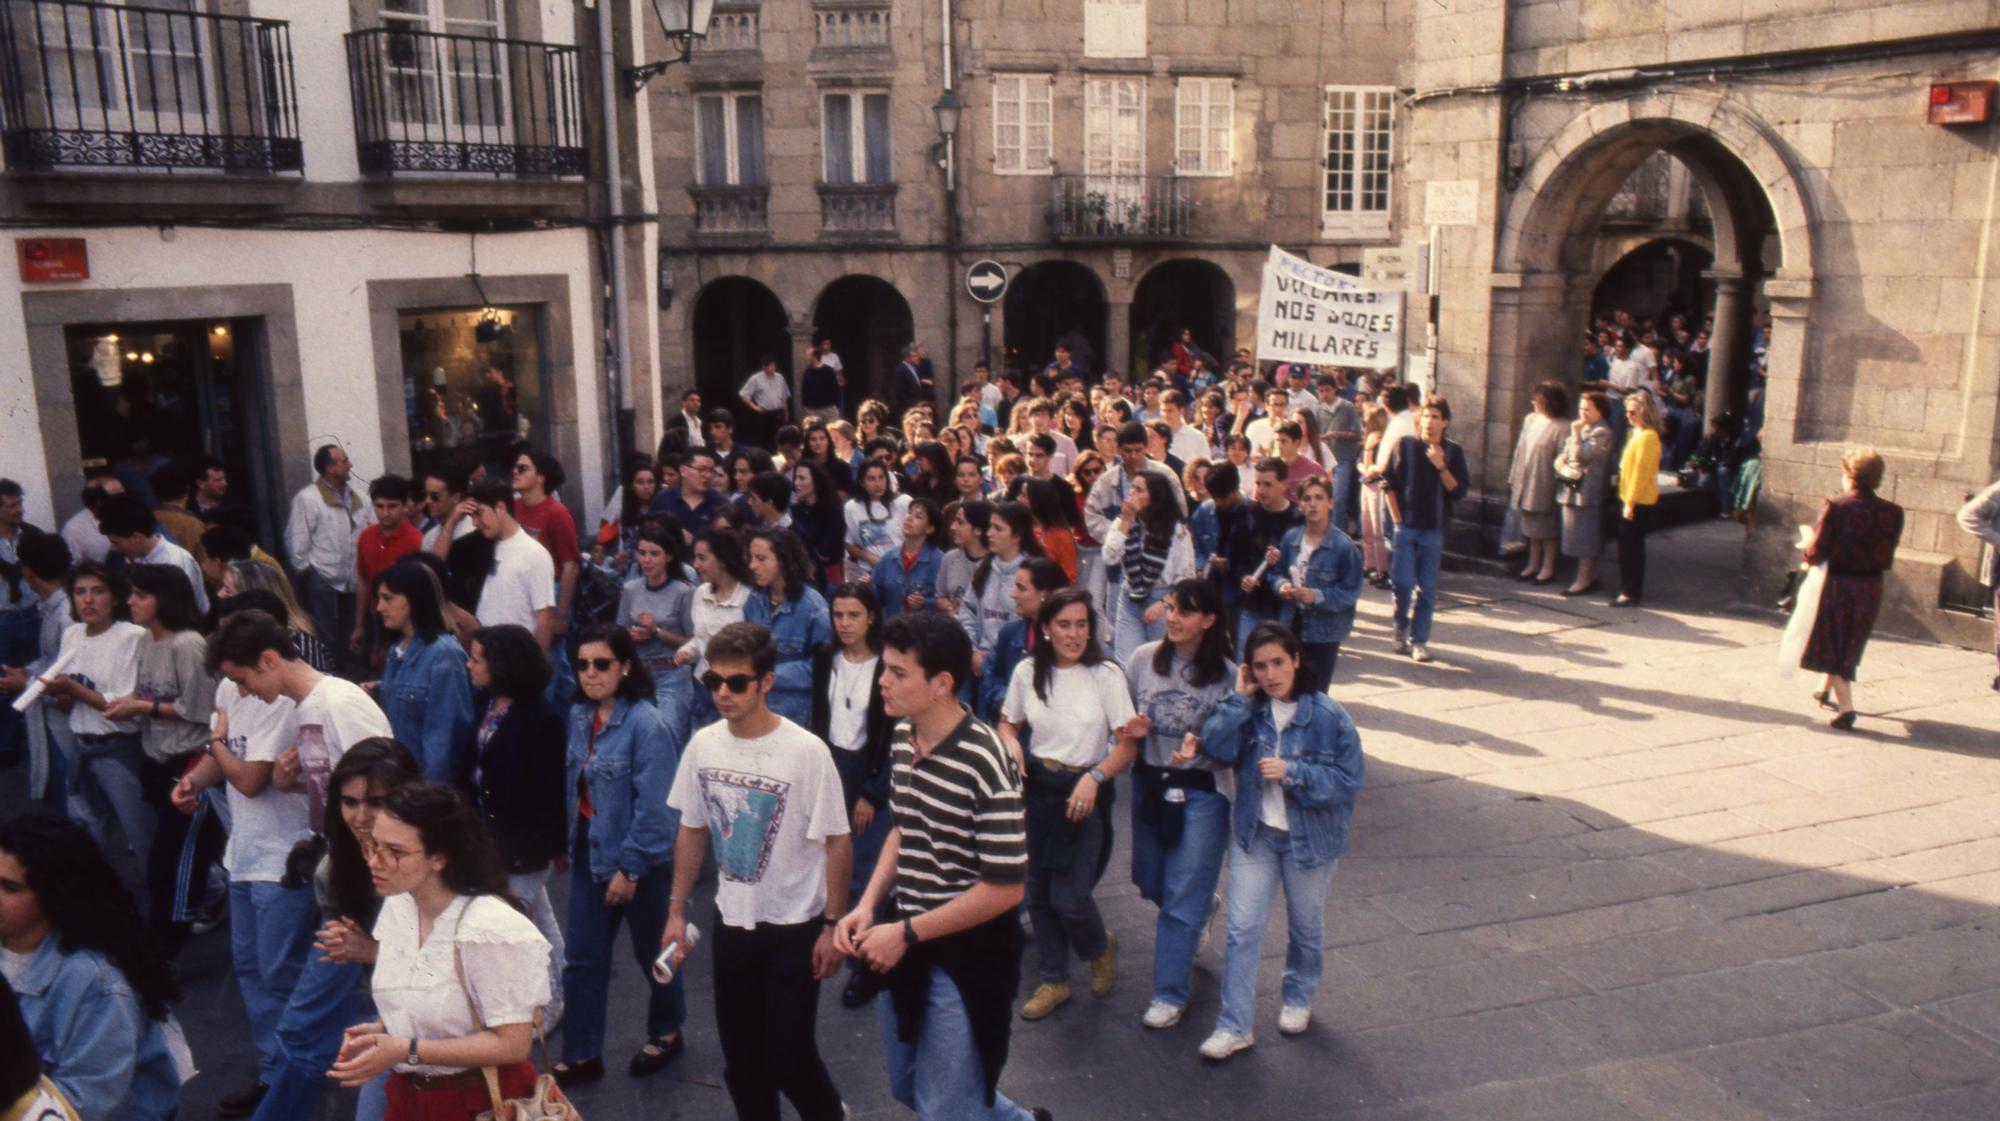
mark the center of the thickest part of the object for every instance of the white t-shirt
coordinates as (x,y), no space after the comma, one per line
(109,663)
(86,543)
(263,829)
(1261,435)
(847,724)
(766,391)
(459,529)
(769,804)
(872,529)
(1401,425)
(523,581)
(1628,373)
(335,716)
(166,552)
(1073,727)
(1271,811)
(14,966)
(417,991)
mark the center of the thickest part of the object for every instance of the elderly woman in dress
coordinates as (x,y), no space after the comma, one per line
(1856,539)
(1531,482)
(1586,459)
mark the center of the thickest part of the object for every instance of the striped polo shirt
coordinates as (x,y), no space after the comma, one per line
(960,816)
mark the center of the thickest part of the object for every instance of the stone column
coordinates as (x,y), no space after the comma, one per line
(1118,337)
(1729,344)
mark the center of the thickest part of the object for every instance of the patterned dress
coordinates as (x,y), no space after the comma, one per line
(1856,537)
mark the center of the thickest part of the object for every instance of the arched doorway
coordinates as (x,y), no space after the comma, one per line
(1657,280)
(1196,295)
(869,323)
(738,323)
(1050,302)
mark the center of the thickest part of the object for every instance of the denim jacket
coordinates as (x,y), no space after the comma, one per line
(631,829)
(1323,766)
(428,699)
(1205,528)
(1008,650)
(95,1041)
(1333,572)
(892,583)
(799,627)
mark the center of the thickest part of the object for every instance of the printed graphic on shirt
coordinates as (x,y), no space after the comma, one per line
(1174,713)
(316,768)
(744,812)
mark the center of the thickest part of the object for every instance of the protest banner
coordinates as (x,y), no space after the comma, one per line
(1309,314)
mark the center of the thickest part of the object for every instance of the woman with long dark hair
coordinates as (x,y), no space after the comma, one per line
(746,463)
(636,488)
(517,774)
(818,519)
(1150,539)
(1318,581)
(933,478)
(821,453)
(460,973)
(1180,814)
(423,690)
(874,519)
(906,580)
(1054,513)
(1298,766)
(1070,700)
(92,984)
(622,758)
(988,604)
(965,528)
(791,608)
(657,607)
(718,601)
(1033,582)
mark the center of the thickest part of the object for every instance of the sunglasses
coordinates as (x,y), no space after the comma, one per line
(601,665)
(735,682)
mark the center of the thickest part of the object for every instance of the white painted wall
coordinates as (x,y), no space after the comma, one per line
(326,107)
(328,273)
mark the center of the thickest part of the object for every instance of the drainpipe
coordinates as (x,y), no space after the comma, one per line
(618,388)
(951,220)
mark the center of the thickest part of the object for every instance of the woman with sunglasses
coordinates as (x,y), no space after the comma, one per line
(424,691)
(718,602)
(787,604)
(622,758)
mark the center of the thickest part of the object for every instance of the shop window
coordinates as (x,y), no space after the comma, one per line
(473,385)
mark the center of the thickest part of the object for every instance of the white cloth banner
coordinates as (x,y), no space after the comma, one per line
(1309,314)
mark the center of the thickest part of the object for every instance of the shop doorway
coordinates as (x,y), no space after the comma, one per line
(474,389)
(148,394)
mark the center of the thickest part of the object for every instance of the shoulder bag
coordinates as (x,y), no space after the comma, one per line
(546,1102)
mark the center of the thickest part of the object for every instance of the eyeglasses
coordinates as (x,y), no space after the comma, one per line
(735,682)
(521,468)
(601,665)
(389,854)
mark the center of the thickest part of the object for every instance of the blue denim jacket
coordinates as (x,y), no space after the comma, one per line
(1323,765)
(1333,572)
(799,627)
(631,828)
(1008,651)
(892,584)
(427,697)
(1205,532)
(95,1041)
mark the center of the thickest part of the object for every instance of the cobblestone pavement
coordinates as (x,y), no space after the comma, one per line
(1607,866)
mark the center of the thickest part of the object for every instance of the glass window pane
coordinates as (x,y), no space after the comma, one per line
(875,111)
(750,139)
(712,141)
(839,133)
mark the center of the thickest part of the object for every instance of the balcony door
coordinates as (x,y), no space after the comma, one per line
(144,70)
(1114,148)
(447,77)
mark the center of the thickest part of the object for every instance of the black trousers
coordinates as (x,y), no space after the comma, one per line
(766,1009)
(1316,660)
(184,848)
(1632,551)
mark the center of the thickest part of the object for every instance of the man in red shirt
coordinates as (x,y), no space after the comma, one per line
(389,540)
(537,476)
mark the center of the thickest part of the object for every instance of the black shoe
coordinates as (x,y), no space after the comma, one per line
(576,1074)
(1043,1115)
(1624,601)
(857,991)
(1824,703)
(243,1102)
(1844,722)
(664,1051)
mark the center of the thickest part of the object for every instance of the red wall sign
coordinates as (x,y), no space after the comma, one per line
(1960,103)
(52,258)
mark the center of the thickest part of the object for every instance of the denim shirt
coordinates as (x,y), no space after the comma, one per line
(1333,572)
(631,829)
(1206,531)
(95,1041)
(892,583)
(799,627)
(1323,766)
(427,697)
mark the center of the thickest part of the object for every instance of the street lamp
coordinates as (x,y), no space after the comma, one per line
(683,21)
(947,110)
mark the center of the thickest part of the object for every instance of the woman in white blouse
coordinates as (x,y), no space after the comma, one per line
(461,973)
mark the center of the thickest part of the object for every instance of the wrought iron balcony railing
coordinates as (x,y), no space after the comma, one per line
(731,210)
(1121,208)
(124,86)
(431,102)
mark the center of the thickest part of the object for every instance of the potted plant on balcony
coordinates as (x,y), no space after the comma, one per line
(1096,205)
(1134,211)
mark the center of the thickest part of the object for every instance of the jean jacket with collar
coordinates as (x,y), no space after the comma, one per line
(1323,768)
(1333,572)
(631,768)
(95,1041)
(799,627)
(427,697)
(892,582)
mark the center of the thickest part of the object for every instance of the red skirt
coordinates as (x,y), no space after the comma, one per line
(458,1102)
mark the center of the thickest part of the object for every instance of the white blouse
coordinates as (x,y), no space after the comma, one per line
(417,991)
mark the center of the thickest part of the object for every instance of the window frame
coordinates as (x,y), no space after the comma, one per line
(1207,106)
(1113,81)
(857,123)
(1028,83)
(732,152)
(1358,222)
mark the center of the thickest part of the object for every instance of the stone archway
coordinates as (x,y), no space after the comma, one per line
(869,323)
(1182,293)
(736,325)
(1056,301)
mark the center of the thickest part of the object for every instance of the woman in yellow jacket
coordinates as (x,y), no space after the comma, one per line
(1639,490)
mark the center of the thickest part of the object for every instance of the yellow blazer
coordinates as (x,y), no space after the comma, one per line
(1639,468)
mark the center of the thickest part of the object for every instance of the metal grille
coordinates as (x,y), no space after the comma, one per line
(1121,207)
(431,102)
(113,85)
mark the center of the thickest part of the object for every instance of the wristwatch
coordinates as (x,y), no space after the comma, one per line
(909,932)
(411,1058)
(1098,774)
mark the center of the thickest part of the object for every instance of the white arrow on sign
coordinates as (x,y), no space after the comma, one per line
(986,280)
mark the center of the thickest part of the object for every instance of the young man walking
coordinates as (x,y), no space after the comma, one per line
(521,588)
(770,793)
(938,919)
(1425,475)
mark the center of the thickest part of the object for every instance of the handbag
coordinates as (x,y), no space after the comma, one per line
(546,1102)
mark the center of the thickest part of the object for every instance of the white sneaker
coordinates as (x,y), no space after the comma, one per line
(1420,652)
(1160,1014)
(1223,1044)
(1402,641)
(1293,1021)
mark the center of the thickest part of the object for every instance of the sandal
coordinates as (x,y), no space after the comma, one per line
(576,1074)
(654,1056)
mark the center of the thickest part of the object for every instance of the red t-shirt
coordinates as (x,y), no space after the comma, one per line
(549,522)
(375,551)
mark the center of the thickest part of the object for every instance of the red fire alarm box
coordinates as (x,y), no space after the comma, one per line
(1961,103)
(52,258)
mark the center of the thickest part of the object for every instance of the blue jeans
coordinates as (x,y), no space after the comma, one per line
(1415,566)
(593,929)
(867,846)
(1062,907)
(270,934)
(1129,629)
(939,1073)
(1246,621)
(1254,878)
(104,785)
(1181,881)
(327,1000)
(1346,494)
(673,695)
(703,711)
